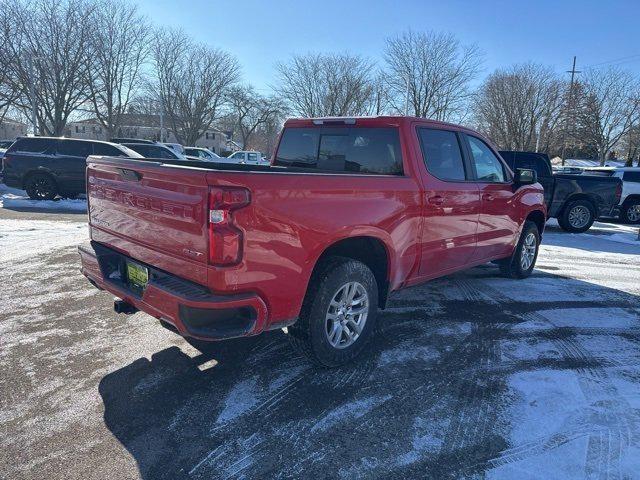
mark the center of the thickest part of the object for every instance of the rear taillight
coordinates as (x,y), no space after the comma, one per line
(6,161)
(618,192)
(225,239)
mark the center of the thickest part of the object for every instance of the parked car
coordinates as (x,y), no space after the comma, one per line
(351,210)
(132,140)
(202,154)
(49,166)
(248,157)
(575,200)
(155,150)
(628,208)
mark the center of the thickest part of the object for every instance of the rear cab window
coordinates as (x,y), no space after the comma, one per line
(374,150)
(532,162)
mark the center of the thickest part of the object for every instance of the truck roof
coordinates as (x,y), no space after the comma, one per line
(380,121)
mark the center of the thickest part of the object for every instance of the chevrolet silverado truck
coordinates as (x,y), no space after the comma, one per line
(349,211)
(575,200)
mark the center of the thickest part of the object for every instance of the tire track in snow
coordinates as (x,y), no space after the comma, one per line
(594,383)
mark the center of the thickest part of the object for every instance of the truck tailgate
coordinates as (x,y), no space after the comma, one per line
(163,208)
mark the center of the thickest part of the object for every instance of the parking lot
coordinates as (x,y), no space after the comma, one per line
(472,376)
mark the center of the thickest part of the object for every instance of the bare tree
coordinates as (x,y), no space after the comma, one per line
(250,111)
(319,85)
(8,93)
(46,58)
(608,107)
(434,70)
(192,82)
(118,50)
(630,145)
(519,107)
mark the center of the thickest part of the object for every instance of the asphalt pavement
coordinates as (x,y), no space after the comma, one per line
(472,376)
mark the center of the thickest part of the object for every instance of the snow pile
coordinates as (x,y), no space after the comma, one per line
(18,199)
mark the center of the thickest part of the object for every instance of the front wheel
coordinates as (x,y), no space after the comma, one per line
(339,313)
(521,263)
(631,212)
(577,217)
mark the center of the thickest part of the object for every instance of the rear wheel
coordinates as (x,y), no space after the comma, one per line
(577,216)
(339,314)
(631,212)
(523,259)
(41,186)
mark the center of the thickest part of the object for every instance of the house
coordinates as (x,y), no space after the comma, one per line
(10,129)
(144,126)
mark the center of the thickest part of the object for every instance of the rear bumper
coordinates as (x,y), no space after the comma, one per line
(192,309)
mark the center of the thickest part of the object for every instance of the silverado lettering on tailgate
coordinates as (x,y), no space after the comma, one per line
(145,202)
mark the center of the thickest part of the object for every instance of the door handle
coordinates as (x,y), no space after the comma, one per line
(436,200)
(487,196)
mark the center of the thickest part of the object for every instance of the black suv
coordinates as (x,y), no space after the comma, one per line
(49,166)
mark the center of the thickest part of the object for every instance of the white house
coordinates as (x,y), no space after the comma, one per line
(146,127)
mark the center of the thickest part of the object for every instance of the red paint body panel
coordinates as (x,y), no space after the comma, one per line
(160,217)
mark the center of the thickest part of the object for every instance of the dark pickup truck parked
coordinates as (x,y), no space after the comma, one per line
(575,200)
(49,166)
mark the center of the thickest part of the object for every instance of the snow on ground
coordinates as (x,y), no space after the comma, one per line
(615,232)
(24,239)
(14,198)
(472,376)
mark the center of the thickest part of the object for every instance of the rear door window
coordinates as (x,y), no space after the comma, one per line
(108,150)
(70,148)
(351,150)
(252,157)
(442,154)
(631,177)
(31,145)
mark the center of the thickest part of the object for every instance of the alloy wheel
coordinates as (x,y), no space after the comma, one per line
(579,216)
(346,315)
(528,251)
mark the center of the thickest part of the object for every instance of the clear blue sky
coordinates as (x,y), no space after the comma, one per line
(260,33)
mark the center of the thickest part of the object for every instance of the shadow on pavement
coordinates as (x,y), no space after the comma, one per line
(428,399)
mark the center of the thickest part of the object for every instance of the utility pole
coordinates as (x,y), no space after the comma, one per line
(406,100)
(570,106)
(161,119)
(32,95)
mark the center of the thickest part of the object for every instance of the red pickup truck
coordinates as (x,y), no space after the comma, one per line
(350,210)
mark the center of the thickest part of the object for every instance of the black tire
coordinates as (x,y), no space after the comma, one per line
(577,216)
(630,212)
(513,267)
(309,334)
(41,186)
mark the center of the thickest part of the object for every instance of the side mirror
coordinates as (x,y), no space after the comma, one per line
(525,176)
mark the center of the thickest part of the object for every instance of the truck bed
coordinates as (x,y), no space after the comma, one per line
(156,213)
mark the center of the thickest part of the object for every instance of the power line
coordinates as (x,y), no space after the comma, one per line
(621,60)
